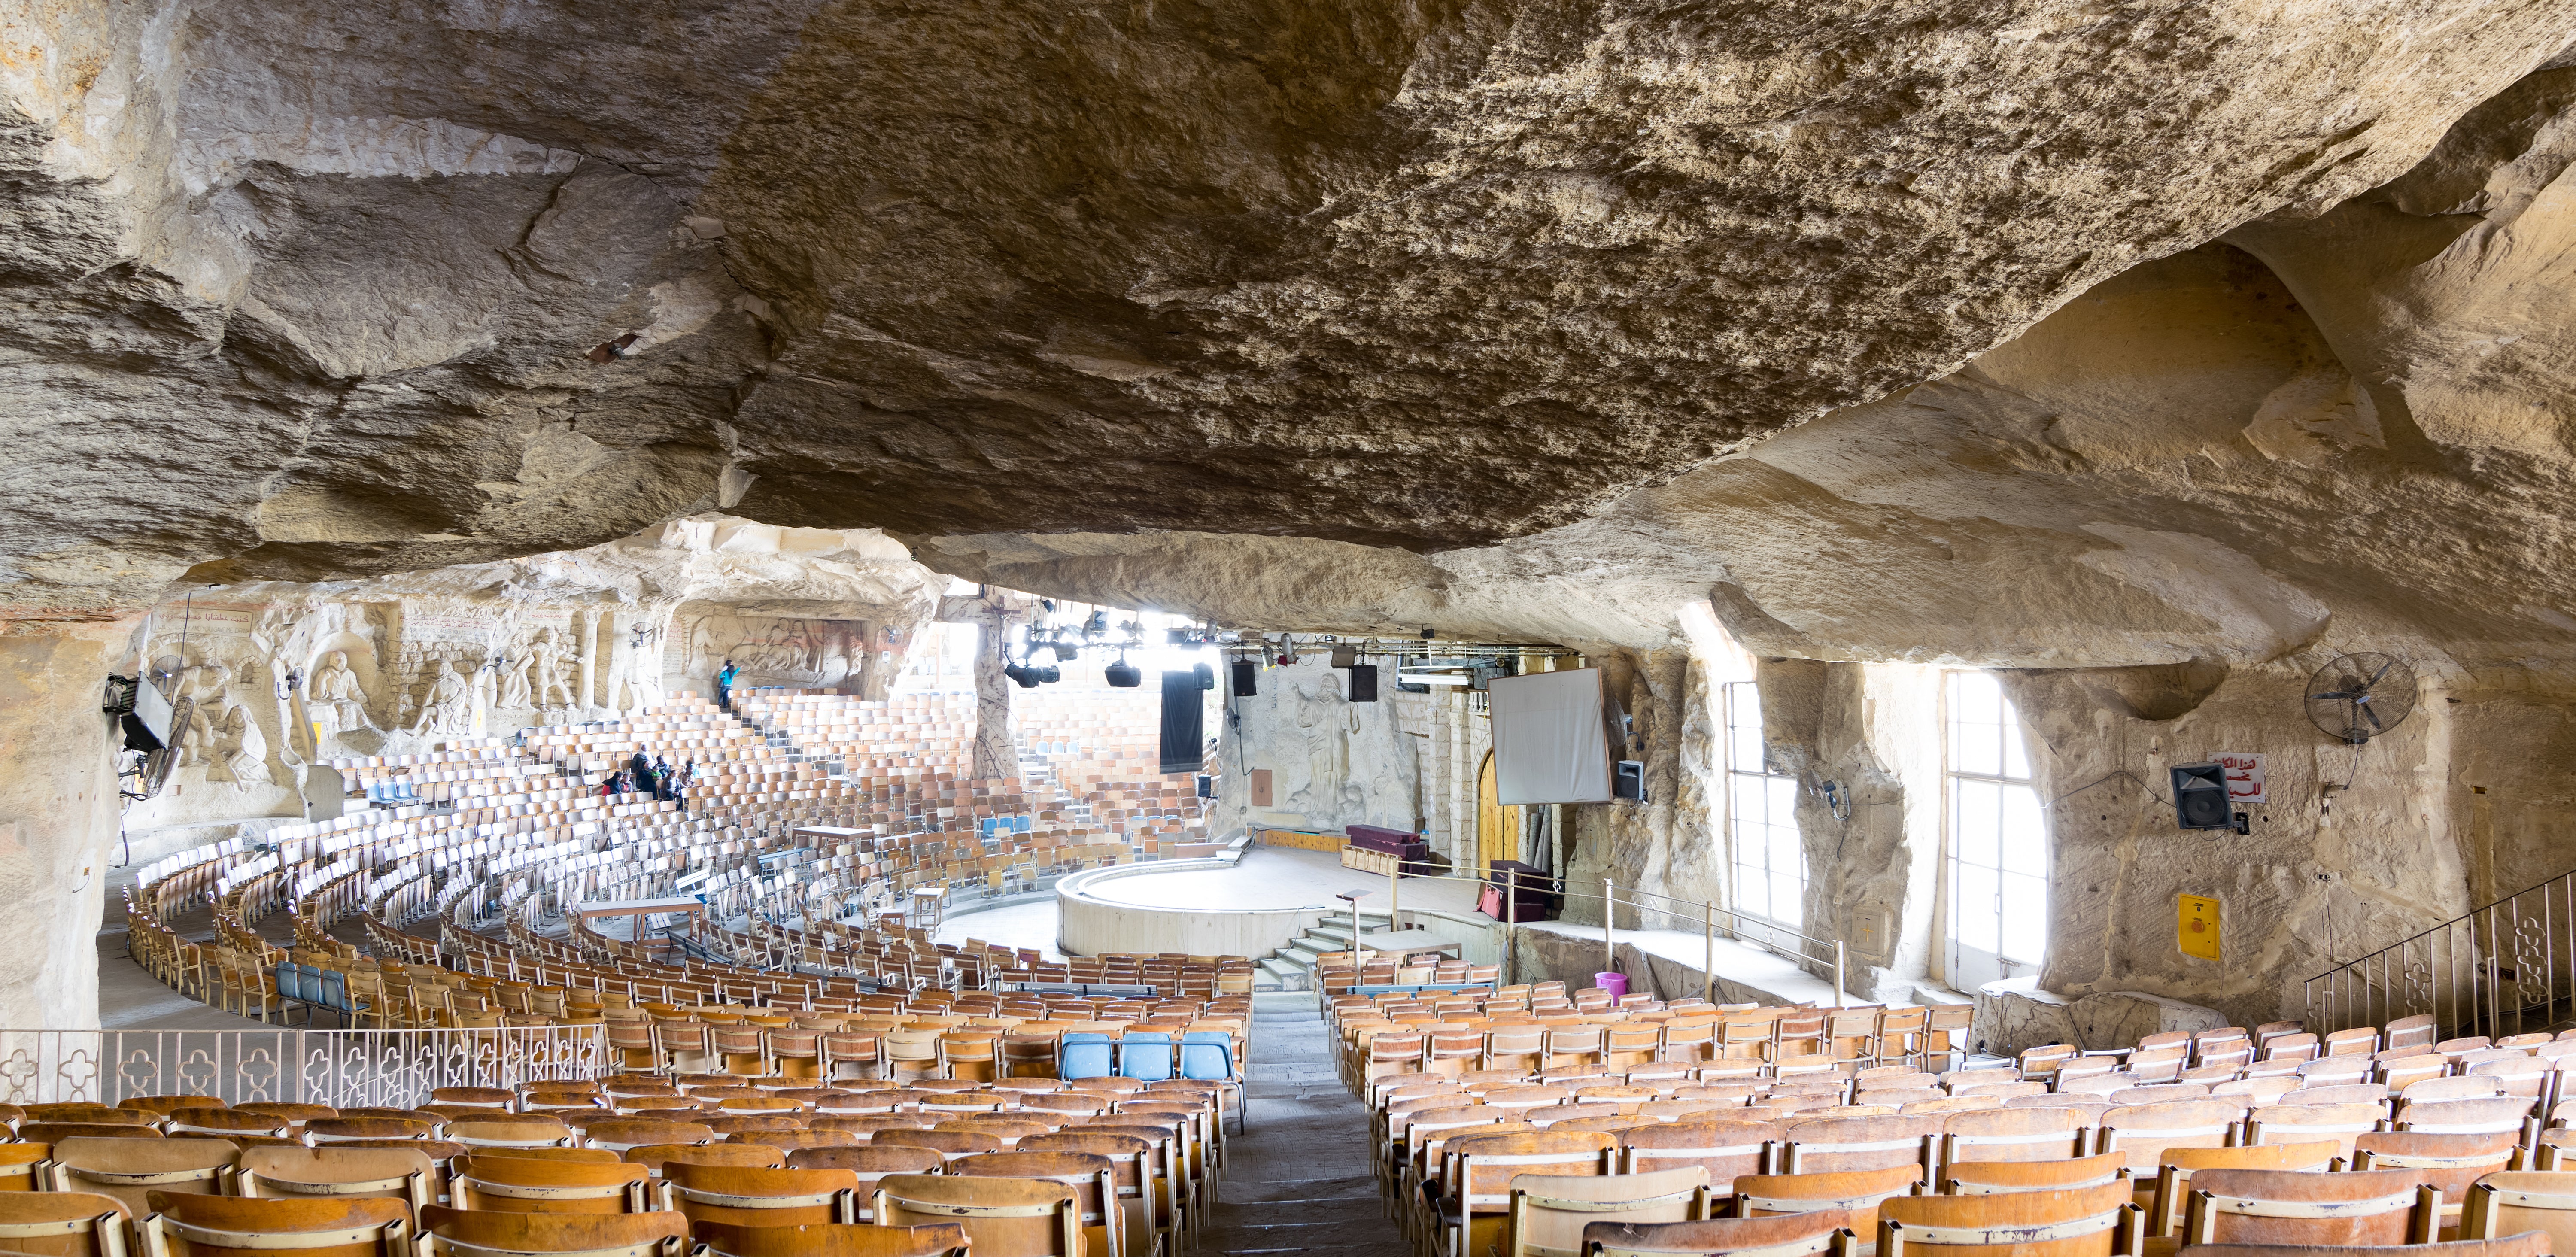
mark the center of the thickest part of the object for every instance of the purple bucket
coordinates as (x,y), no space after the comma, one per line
(1615,983)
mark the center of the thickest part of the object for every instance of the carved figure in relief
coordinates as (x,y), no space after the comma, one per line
(515,694)
(332,698)
(447,709)
(553,674)
(241,753)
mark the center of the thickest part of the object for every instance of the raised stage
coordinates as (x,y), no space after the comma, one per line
(1251,906)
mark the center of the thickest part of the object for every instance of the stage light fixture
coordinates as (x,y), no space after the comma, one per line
(1124,675)
(1022,675)
(1066,652)
(1049,674)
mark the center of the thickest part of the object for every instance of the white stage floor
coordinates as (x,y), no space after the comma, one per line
(1279,877)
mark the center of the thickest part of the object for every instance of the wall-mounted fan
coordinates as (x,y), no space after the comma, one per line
(2358,697)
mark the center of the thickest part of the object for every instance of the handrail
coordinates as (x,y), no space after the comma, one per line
(1609,920)
(2498,969)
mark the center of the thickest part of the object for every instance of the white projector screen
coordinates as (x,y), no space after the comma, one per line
(1548,741)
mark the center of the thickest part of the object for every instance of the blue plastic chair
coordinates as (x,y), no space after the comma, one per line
(1145,1055)
(1083,1056)
(335,994)
(1208,1056)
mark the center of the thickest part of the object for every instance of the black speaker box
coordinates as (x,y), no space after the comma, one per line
(2200,797)
(1363,683)
(1245,671)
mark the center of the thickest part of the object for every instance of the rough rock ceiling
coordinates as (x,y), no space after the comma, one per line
(2348,431)
(297,291)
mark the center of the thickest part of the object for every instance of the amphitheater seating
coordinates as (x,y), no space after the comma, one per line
(2226,1137)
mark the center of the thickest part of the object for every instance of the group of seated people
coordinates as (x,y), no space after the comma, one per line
(1105,1148)
(1678,1129)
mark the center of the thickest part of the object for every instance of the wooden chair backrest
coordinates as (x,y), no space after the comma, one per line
(1858,1193)
(338,1172)
(2463,1117)
(453,1232)
(2448,1162)
(2518,1202)
(1786,1235)
(937,1239)
(1478,1170)
(2075,1222)
(2178,1165)
(2146,1130)
(2373,1207)
(131,1169)
(621,1133)
(63,1224)
(1002,1217)
(1547,1213)
(654,1157)
(225,1226)
(2010,1134)
(760,1195)
(1973,1178)
(506,1184)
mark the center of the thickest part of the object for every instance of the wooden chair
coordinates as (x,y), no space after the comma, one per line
(2177,1165)
(2013,1135)
(1547,1214)
(227,1123)
(654,1157)
(1857,1193)
(25,1167)
(1975,1178)
(1476,1173)
(338,1173)
(130,1169)
(1110,1227)
(943,1239)
(620,1134)
(1829,1145)
(344,1127)
(1826,1233)
(2339,1124)
(448,1232)
(505,1184)
(2521,1202)
(65,1224)
(2144,1131)
(2081,1222)
(1002,1217)
(186,1224)
(2369,1207)
(57,1132)
(2449,1163)
(760,1196)
(504,1131)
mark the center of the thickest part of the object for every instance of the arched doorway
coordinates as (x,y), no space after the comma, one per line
(1498,828)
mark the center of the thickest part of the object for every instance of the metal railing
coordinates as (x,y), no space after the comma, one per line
(2507,967)
(340,1068)
(1687,913)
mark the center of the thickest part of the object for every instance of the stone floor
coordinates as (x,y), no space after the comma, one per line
(1298,1177)
(1279,877)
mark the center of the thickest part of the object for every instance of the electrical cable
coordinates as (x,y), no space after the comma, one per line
(2142,784)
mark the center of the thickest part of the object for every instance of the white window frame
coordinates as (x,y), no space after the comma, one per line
(2011,786)
(1769,791)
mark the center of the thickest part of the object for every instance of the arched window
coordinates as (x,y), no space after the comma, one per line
(1998,838)
(1762,822)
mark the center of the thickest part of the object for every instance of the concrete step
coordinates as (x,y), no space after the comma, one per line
(1283,975)
(1300,955)
(1337,933)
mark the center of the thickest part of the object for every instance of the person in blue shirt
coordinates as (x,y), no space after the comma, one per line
(724,685)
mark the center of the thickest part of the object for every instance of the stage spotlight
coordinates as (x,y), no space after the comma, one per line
(1049,674)
(1066,652)
(1124,675)
(1022,675)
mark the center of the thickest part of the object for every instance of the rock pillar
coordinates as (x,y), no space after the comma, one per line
(58,815)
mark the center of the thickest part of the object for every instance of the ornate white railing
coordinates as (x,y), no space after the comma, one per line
(2505,968)
(341,1068)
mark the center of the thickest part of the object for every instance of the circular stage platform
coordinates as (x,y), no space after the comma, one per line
(1250,907)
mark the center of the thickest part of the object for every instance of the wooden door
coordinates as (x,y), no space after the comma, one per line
(1498,828)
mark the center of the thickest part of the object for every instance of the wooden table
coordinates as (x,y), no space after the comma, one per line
(825,837)
(640,909)
(1406,942)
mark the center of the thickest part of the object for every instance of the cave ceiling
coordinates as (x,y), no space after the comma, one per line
(2047,333)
